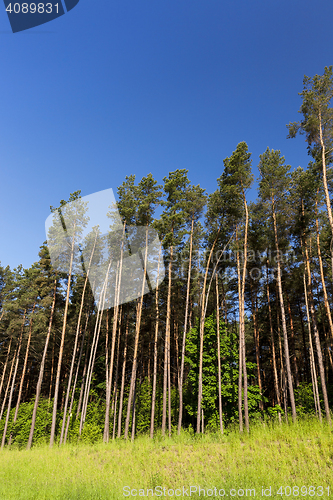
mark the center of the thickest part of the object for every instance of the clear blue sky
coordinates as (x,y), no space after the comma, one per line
(120,87)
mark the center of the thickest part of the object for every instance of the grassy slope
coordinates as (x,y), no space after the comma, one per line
(270,456)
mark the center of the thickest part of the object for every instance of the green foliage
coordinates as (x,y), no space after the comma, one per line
(20,430)
(304,399)
(229,374)
(316,98)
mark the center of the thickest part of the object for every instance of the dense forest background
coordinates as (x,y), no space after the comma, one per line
(239,329)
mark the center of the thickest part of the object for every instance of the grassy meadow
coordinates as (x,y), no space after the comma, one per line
(272,455)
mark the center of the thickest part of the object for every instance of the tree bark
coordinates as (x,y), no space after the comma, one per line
(5,366)
(114,334)
(276,378)
(240,351)
(12,385)
(75,380)
(327,306)
(312,361)
(256,340)
(56,390)
(246,404)
(153,399)
(283,317)
(136,342)
(78,328)
(167,345)
(180,416)
(120,411)
(218,354)
(41,369)
(116,379)
(23,372)
(8,382)
(294,358)
(316,334)
(202,329)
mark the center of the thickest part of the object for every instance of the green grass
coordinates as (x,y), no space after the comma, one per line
(272,455)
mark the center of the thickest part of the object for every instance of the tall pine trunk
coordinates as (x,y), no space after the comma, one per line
(12,385)
(41,369)
(312,360)
(78,328)
(23,372)
(62,343)
(5,366)
(316,334)
(153,398)
(123,373)
(113,343)
(180,416)
(322,277)
(202,330)
(218,353)
(136,342)
(276,378)
(283,318)
(8,382)
(167,346)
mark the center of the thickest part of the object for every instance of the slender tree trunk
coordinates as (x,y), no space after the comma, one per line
(23,372)
(97,329)
(75,379)
(56,390)
(283,373)
(312,360)
(5,366)
(136,342)
(75,348)
(224,304)
(84,374)
(218,354)
(305,352)
(107,349)
(323,159)
(114,334)
(181,378)
(52,367)
(92,357)
(169,392)
(116,378)
(133,414)
(283,317)
(276,378)
(8,382)
(294,358)
(246,405)
(41,369)
(167,345)
(121,399)
(241,359)
(316,334)
(17,350)
(256,340)
(153,399)
(202,329)
(12,386)
(327,306)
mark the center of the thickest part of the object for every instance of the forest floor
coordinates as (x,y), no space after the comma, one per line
(284,460)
